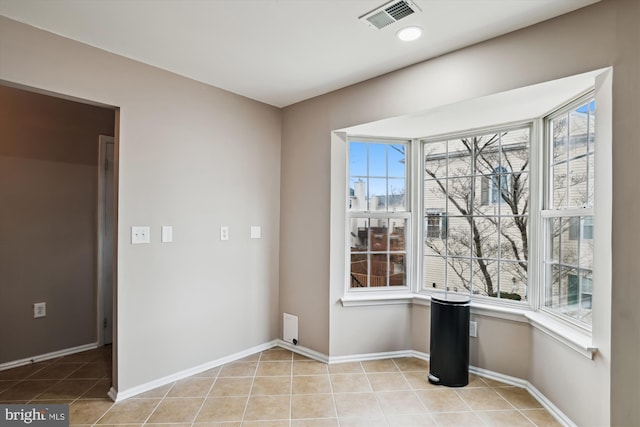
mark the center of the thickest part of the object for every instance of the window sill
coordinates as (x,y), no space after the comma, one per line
(577,340)
(377,298)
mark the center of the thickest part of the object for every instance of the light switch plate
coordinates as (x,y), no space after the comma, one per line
(140,234)
(256,232)
(39,310)
(167,234)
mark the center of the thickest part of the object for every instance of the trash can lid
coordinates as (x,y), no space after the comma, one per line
(451,298)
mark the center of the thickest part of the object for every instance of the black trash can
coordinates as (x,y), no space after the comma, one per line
(449,359)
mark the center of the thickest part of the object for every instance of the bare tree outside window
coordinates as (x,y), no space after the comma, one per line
(485,249)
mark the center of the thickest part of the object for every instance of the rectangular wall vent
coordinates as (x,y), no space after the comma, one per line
(389,13)
(290,328)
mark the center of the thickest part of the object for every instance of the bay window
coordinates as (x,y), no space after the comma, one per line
(506,215)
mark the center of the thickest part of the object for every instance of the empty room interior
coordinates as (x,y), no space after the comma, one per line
(243,213)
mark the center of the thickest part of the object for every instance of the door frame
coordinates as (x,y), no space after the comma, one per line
(103,140)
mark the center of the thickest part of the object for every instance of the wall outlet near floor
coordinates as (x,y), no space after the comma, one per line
(473,329)
(290,328)
(39,310)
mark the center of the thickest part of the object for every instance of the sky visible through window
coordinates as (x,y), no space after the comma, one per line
(377,162)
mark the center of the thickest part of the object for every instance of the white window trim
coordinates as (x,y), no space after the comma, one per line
(545,214)
(535,157)
(381,293)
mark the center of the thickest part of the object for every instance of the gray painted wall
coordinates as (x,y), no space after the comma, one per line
(595,37)
(190,156)
(179,139)
(48,187)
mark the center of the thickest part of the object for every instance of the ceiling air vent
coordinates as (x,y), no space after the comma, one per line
(389,13)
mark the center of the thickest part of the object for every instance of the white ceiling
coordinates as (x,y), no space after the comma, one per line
(277,51)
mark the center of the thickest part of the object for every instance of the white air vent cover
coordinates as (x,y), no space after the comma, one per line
(389,13)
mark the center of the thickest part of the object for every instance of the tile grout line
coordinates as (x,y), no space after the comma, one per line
(253,381)
(333,396)
(291,390)
(215,380)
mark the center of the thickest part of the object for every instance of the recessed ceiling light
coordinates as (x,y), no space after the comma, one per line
(409,34)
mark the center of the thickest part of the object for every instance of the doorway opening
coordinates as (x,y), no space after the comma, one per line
(59,223)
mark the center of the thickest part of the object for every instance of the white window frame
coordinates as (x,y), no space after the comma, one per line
(547,213)
(406,215)
(534,166)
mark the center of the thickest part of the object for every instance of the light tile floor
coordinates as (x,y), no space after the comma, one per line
(272,389)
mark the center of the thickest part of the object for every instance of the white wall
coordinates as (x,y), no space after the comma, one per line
(190,156)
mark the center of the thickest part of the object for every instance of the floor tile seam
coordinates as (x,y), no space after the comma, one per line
(152,411)
(504,410)
(61,378)
(253,381)
(463,401)
(197,414)
(86,391)
(103,414)
(521,411)
(415,393)
(375,395)
(291,391)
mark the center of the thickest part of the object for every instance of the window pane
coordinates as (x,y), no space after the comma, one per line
(559,135)
(435,159)
(485,276)
(434,272)
(358,159)
(459,236)
(378,235)
(396,200)
(485,237)
(359,271)
(486,152)
(459,158)
(459,274)
(359,234)
(377,194)
(379,270)
(513,280)
(560,186)
(434,194)
(397,237)
(377,159)
(514,238)
(556,233)
(397,270)
(578,181)
(459,195)
(397,161)
(358,194)
(569,248)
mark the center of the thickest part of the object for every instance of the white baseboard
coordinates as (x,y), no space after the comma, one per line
(549,406)
(303,351)
(120,395)
(320,357)
(47,356)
